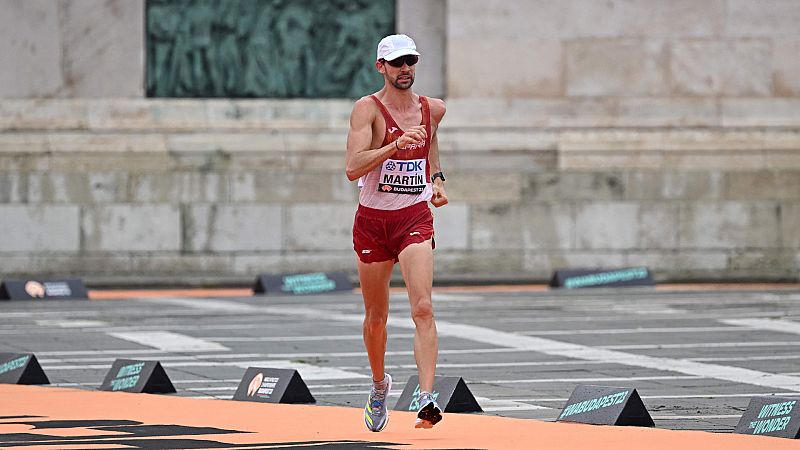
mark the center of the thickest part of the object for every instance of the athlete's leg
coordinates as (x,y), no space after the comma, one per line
(375,289)
(416,264)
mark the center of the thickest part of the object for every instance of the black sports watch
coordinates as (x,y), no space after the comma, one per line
(437,175)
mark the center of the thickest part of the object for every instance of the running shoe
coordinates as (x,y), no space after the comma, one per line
(376,415)
(429,413)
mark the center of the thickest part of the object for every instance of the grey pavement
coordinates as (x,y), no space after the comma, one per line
(696,358)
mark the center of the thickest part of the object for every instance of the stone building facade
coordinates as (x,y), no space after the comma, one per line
(579,133)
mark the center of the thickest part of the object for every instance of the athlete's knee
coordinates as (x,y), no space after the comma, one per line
(422,311)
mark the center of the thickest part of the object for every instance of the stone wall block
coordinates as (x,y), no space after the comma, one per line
(227,142)
(498,226)
(772,264)
(156,115)
(105,142)
(13,187)
(790,225)
(569,185)
(485,188)
(616,67)
(452,226)
(38,114)
(773,18)
(730,225)
(233,228)
(683,262)
(320,226)
(23,143)
(131,227)
(760,112)
(607,225)
(269,114)
(479,264)
(675,185)
(786,65)
(658,225)
(43,229)
(716,160)
(103,48)
(181,265)
(783,160)
(31,44)
(598,160)
(548,226)
(179,187)
(536,67)
(586,18)
(728,68)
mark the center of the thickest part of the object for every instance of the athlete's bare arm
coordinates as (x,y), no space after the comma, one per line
(361,155)
(438,109)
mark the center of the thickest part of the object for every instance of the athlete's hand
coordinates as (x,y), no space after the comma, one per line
(439,196)
(414,135)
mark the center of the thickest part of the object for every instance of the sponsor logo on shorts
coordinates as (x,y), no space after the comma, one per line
(366,251)
(414,233)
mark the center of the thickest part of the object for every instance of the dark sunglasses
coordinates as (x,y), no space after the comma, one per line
(408,60)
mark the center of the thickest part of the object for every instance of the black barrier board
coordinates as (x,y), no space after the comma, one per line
(302,283)
(584,278)
(128,375)
(273,386)
(771,416)
(21,368)
(451,393)
(42,289)
(605,405)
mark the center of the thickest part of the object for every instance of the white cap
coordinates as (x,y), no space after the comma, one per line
(396,45)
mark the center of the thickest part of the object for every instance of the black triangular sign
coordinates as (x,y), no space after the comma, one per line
(635,413)
(21,368)
(451,393)
(158,382)
(586,278)
(302,283)
(605,405)
(43,289)
(771,416)
(273,386)
(129,375)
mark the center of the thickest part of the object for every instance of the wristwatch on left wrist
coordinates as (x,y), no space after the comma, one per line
(437,175)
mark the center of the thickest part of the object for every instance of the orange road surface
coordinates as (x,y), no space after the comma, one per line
(38,417)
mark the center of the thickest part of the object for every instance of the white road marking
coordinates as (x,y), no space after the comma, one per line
(566,349)
(685,396)
(497,405)
(344,337)
(307,371)
(168,341)
(779,325)
(633,331)
(712,416)
(589,380)
(701,345)
(77,323)
(745,358)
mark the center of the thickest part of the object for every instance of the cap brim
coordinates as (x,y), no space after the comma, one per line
(398,53)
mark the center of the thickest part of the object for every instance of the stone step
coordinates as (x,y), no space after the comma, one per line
(471,113)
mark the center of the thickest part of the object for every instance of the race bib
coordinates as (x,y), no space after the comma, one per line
(402,176)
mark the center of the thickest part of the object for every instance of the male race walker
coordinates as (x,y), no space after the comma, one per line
(393,151)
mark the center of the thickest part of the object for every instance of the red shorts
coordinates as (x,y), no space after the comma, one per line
(380,235)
